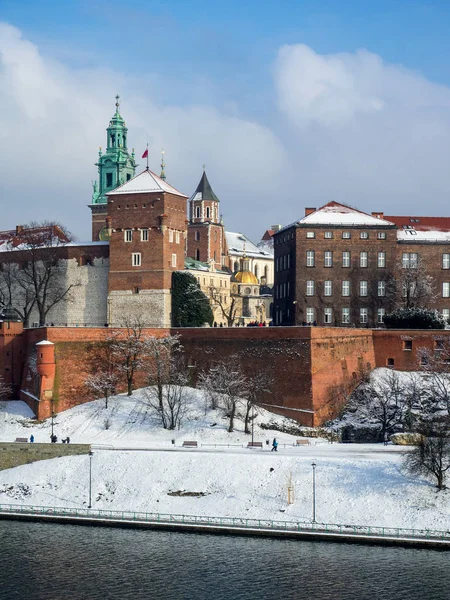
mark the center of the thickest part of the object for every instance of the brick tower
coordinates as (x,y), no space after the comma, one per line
(115,166)
(147,230)
(206,240)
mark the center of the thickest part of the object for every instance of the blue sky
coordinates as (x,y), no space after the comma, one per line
(225,57)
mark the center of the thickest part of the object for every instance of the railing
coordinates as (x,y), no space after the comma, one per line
(229,522)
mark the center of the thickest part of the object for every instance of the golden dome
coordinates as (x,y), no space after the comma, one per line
(245,277)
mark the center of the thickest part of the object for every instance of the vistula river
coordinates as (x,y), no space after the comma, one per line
(55,562)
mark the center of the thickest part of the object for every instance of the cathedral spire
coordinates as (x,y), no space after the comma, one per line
(163,175)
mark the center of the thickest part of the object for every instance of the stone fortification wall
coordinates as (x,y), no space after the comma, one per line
(152,307)
(15,454)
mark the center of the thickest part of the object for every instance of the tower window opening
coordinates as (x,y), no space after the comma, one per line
(197,254)
(128,177)
(109,179)
(208,212)
(197,212)
(197,236)
(113,139)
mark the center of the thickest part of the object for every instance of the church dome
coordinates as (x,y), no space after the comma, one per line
(245,277)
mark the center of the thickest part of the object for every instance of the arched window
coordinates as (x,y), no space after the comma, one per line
(197,212)
(197,236)
(256,270)
(207,212)
(198,254)
(236,266)
(265,271)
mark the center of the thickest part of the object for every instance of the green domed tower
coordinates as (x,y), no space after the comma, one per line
(115,166)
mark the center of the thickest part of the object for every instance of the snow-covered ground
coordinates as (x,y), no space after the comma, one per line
(355,484)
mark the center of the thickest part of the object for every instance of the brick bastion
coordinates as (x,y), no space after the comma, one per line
(313,368)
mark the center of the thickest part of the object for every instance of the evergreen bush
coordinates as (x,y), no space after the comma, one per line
(190,306)
(414,318)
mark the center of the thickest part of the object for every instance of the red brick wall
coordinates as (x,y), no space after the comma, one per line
(390,344)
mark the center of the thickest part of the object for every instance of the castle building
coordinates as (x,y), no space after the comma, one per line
(258,260)
(115,167)
(206,240)
(340,266)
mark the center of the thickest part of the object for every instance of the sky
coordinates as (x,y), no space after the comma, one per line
(289,103)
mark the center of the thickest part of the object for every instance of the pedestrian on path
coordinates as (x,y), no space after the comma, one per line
(274,445)
(31,438)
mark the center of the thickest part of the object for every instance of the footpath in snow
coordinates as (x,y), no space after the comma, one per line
(362,484)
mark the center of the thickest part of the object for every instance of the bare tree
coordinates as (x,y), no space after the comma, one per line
(431,457)
(130,350)
(260,385)
(163,354)
(415,287)
(381,401)
(219,299)
(230,384)
(35,276)
(104,376)
(435,364)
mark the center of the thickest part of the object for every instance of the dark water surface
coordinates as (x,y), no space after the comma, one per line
(53,562)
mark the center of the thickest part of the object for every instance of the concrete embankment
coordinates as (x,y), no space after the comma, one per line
(17,453)
(302,534)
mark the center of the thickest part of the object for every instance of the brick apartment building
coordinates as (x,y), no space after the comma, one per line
(343,267)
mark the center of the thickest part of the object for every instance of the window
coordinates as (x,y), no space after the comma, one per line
(310,315)
(381,259)
(446,313)
(410,260)
(381,288)
(439,345)
(346,288)
(128,235)
(446,261)
(144,235)
(310,234)
(170,235)
(363,288)
(346,315)
(328,288)
(327,315)
(446,289)
(346,259)
(364,235)
(109,179)
(328,259)
(381,235)
(177,237)
(346,235)
(310,288)
(310,258)
(197,238)
(390,362)
(208,212)
(407,345)
(380,315)
(363,259)
(174,260)
(197,212)
(328,235)
(136,259)
(363,315)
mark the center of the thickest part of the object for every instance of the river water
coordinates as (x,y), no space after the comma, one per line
(40,561)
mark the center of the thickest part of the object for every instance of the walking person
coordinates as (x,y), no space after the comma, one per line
(31,438)
(274,445)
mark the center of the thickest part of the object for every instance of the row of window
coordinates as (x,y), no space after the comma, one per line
(283,262)
(208,213)
(136,259)
(346,235)
(128,235)
(346,259)
(283,290)
(344,316)
(345,288)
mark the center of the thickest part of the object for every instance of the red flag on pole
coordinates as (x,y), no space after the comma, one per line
(145,155)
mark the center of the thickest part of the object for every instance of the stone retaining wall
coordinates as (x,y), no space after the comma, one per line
(13,454)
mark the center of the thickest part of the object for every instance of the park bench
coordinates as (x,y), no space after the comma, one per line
(22,440)
(302,442)
(255,445)
(190,444)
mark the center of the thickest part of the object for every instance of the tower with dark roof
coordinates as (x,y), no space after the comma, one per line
(206,235)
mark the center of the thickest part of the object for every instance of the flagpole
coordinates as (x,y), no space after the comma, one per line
(147,156)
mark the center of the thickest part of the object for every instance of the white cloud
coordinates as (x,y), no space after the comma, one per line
(53,118)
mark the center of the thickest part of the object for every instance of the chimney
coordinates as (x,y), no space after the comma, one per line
(308,211)
(19,229)
(378,215)
(275,227)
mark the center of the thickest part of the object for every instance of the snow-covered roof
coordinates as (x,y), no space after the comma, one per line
(145,182)
(338,214)
(415,235)
(422,229)
(236,243)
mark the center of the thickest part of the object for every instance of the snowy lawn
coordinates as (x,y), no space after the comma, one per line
(355,484)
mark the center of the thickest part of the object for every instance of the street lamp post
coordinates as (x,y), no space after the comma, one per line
(314,491)
(90,479)
(253,422)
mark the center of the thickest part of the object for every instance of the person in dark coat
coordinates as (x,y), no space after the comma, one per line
(31,438)
(274,445)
